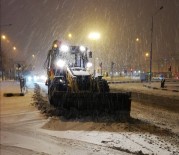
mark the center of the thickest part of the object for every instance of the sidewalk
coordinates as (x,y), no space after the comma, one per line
(16,100)
(10,86)
(168,86)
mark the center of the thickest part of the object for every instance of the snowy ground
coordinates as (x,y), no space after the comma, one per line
(25,130)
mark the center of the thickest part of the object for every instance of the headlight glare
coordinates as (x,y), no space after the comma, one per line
(61,63)
(64,48)
(89,64)
(82,48)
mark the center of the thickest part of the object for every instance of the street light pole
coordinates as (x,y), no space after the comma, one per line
(151,42)
(1,64)
(1,55)
(151,51)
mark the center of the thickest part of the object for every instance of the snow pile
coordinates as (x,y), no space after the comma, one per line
(131,136)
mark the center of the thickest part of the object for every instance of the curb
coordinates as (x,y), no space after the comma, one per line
(114,82)
(137,81)
(165,89)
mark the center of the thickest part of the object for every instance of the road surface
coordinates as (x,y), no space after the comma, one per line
(27,130)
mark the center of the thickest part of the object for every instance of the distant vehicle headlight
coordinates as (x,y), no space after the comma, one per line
(89,64)
(36,78)
(29,78)
(64,48)
(60,63)
(43,77)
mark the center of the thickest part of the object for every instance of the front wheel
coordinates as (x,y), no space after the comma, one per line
(102,86)
(53,101)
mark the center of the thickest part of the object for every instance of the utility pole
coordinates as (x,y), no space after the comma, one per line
(151,50)
(1,63)
(1,53)
(112,68)
(101,67)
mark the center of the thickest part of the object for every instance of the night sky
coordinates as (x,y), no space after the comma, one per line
(37,23)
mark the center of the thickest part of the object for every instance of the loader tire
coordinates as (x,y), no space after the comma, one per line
(103,86)
(51,99)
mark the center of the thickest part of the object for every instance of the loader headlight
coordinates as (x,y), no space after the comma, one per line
(60,63)
(64,48)
(82,48)
(89,64)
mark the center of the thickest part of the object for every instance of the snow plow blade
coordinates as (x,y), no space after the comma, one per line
(87,103)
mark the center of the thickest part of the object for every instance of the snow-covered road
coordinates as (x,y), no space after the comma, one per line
(25,130)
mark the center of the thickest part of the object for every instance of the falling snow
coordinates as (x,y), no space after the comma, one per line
(36,24)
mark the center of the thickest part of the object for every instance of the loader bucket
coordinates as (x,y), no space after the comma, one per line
(87,103)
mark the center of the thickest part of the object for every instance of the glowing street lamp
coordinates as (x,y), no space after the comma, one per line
(94,36)
(137,39)
(147,54)
(146,60)
(1,59)
(14,48)
(70,35)
(3,37)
